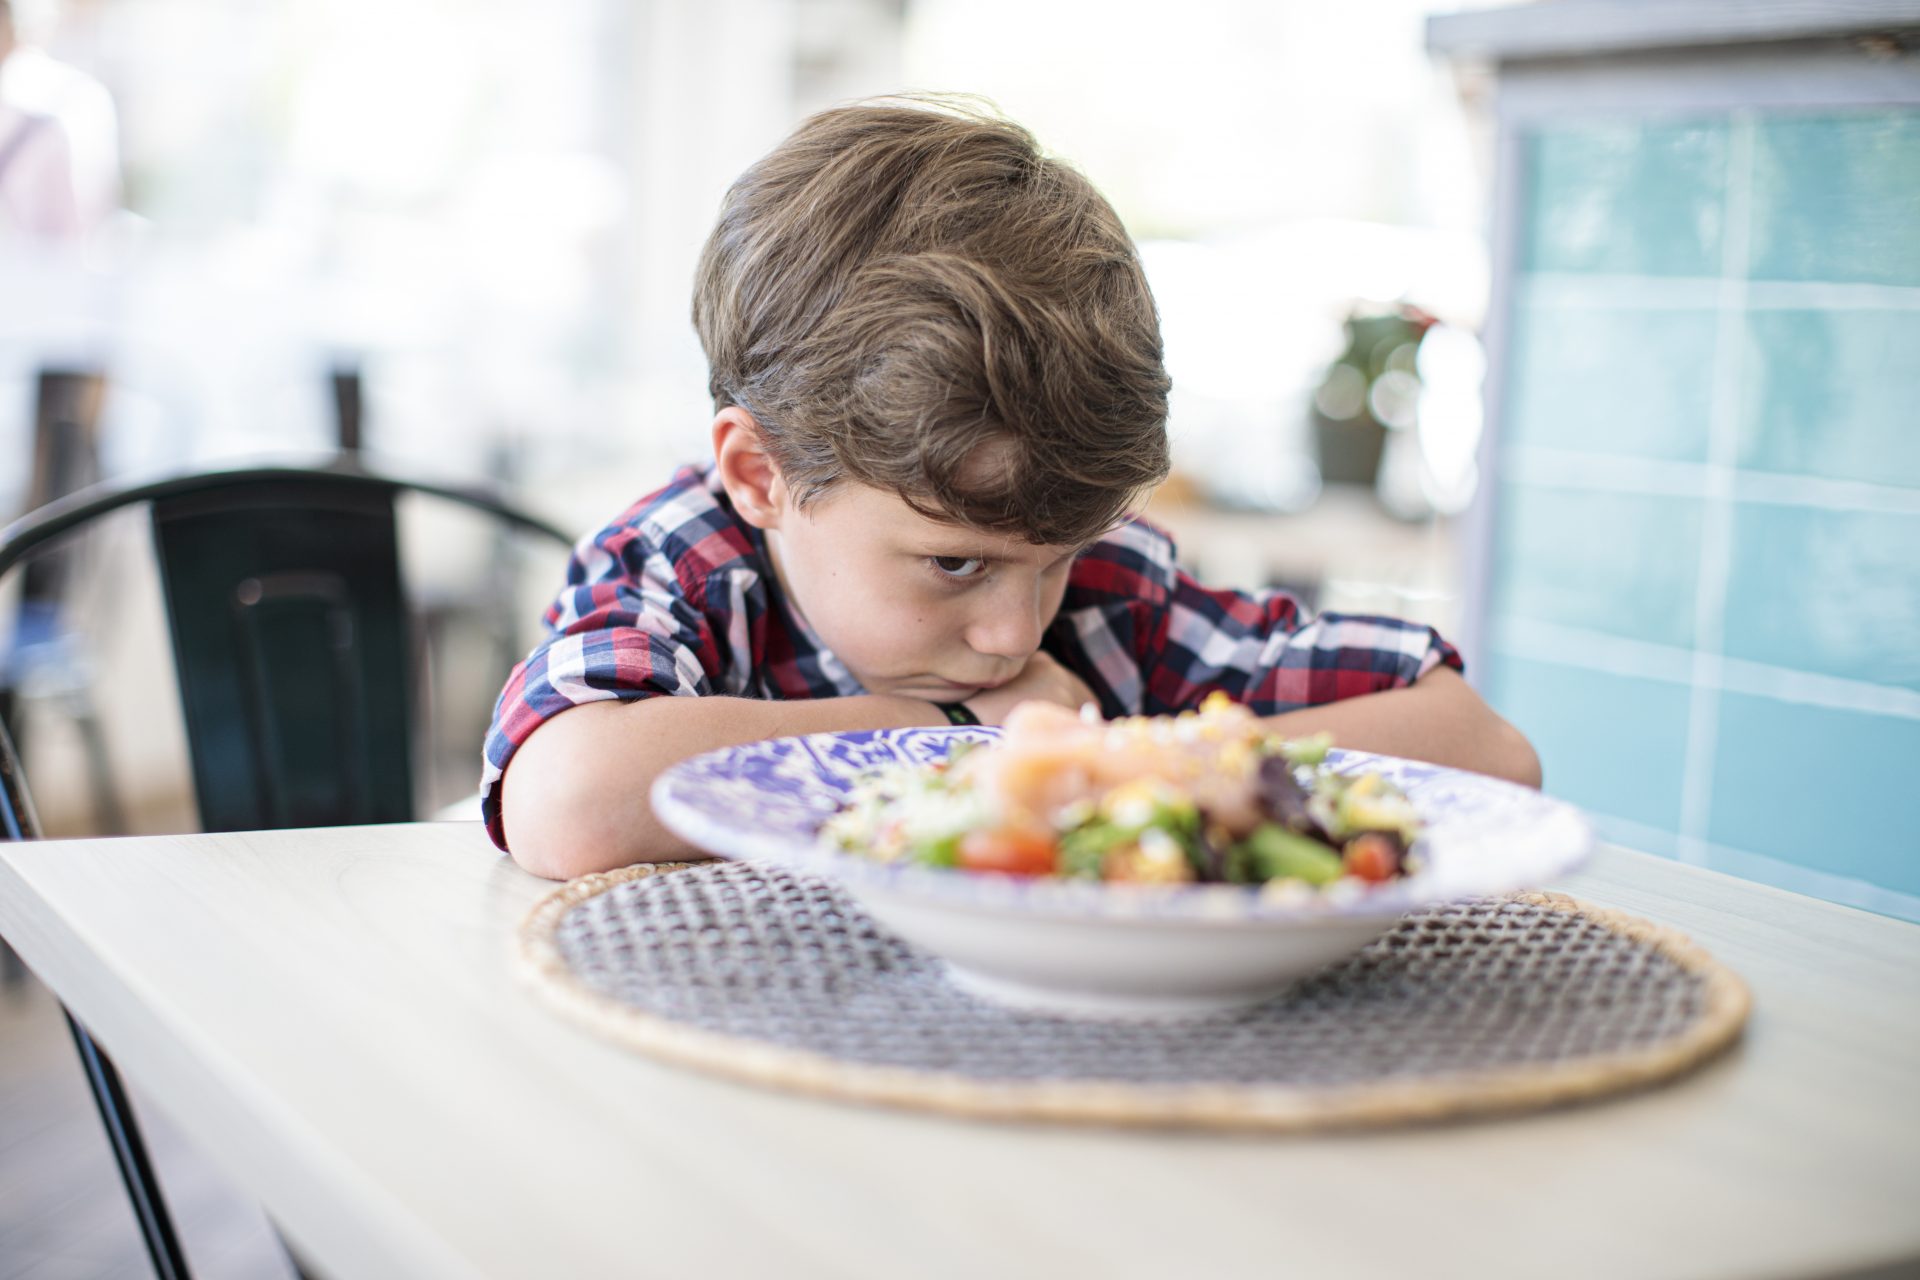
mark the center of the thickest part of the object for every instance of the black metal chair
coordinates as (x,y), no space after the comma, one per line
(295,669)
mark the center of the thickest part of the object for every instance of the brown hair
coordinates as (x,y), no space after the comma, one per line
(905,281)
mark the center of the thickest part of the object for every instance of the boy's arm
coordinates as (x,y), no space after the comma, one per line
(574,797)
(1376,684)
(1438,718)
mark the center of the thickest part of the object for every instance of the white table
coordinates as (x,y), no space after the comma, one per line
(334,1015)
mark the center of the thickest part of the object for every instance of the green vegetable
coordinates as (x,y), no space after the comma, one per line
(1183,824)
(1199,857)
(1238,864)
(1307,751)
(944,852)
(1082,850)
(1370,804)
(1274,853)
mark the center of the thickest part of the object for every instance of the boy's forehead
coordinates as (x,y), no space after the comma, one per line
(882,510)
(861,508)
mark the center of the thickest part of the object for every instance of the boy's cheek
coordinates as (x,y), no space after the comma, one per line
(893,656)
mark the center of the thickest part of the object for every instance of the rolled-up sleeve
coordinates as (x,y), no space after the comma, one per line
(1262,650)
(622,629)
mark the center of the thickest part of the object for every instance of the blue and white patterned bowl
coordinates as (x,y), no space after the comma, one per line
(1085,948)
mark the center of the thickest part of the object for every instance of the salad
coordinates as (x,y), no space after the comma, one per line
(1206,796)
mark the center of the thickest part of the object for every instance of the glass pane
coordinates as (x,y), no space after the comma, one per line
(1833,394)
(1622,563)
(1627,199)
(1837,198)
(1832,592)
(1569,391)
(1613,744)
(1821,788)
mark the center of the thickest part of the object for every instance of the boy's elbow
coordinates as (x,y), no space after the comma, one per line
(548,855)
(559,817)
(1487,742)
(1517,760)
(560,850)
(544,834)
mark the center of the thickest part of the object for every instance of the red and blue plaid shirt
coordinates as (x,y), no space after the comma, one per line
(676,597)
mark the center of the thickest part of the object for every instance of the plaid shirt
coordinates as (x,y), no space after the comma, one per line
(676,597)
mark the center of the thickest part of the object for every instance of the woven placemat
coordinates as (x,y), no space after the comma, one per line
(1474,1007)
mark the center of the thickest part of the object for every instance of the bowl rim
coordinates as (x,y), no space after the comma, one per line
(1565,835)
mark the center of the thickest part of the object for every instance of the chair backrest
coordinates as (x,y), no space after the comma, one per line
(290,644)
(290,635)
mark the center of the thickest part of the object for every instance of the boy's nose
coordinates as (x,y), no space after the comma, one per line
(1009,624)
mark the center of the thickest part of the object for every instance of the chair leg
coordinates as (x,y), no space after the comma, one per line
(108,817)
(16,823)
(130,1152)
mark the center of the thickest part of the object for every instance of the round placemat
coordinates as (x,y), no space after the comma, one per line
(1487,1005)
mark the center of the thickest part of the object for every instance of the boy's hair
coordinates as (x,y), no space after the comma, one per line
(905,281)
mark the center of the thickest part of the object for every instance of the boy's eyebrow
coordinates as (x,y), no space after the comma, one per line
(973,551)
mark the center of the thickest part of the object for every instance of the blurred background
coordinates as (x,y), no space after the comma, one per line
(1586,332)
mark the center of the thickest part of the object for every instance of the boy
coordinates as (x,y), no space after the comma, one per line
(938,393)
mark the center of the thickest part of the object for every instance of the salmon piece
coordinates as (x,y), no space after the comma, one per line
(1049,758)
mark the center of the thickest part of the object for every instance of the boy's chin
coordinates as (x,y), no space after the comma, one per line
(930,690)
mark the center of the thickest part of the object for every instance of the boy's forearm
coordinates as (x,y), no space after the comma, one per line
(1439,718)
(574,798)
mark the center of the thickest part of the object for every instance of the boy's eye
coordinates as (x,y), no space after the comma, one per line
(958,566)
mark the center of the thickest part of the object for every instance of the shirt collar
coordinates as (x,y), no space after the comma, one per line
(808,644)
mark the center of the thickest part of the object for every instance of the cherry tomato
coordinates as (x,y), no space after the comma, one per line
(1009,851)
(1372,856)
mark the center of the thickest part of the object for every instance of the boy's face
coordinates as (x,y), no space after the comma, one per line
(912,606)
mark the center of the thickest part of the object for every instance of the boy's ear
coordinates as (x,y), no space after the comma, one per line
(752,480)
